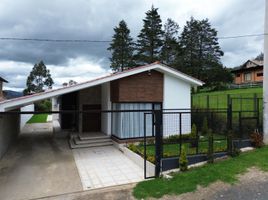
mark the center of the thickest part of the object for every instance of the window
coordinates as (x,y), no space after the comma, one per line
(260,74)
(247,77)
(237,75)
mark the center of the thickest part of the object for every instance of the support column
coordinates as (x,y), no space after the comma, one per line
(265,77)
(158,141)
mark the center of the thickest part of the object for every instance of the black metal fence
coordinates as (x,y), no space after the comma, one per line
(191,128)
(240,102)
(170,130)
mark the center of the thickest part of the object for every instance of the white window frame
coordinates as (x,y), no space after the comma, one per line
(247,76)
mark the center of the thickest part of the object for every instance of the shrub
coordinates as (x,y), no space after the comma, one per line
(44,105)
(236,151)
(194,136)
(150,141)
(204,129)
(210,153)
(151,159)
(183,161)
(256,139)
(193,132)
(176,138)
(167,154)
(133,147)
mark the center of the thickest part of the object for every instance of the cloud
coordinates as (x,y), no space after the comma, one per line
(95,20)
(78,69)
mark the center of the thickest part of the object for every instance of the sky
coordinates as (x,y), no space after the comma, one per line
(95,20)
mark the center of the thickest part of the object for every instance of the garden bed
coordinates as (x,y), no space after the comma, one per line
(173,149)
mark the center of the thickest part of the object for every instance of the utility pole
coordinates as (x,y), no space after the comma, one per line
(265,76)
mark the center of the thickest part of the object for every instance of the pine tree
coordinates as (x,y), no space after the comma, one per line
(121,48)
(150,39)
(201,50)
(39,79)
(170,42)
(259,57)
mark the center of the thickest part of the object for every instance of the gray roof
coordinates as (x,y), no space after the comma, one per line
(3,80)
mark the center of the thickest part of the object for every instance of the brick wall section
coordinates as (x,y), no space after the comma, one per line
(143,87)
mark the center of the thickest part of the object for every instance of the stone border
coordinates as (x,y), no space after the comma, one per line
(137,159)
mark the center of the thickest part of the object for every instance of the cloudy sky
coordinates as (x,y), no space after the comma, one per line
(95,20)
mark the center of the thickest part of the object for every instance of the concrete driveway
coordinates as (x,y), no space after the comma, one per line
(36,166)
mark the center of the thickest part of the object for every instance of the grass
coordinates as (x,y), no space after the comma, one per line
(218,99)
(38,118)
(225,171)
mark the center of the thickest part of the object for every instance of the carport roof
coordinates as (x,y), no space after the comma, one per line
(26,100)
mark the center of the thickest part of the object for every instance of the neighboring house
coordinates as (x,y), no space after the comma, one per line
(149,87)
(250,72)
(1,88)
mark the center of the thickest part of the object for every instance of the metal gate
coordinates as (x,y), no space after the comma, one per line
(247,115)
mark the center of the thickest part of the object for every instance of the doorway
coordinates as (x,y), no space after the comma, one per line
(91,120)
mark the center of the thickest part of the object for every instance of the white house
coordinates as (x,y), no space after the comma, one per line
(149,87)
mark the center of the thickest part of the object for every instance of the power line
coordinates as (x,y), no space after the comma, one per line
(107,41)
(243,36)
(53,40)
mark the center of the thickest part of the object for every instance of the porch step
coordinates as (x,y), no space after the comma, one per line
(77,140)
(77,146)
(87,142)
(87,137)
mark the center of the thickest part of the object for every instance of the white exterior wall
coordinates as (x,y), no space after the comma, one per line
(177,95)
(26,117)
(9,130)
(55,107)
(106,105)
(55,117)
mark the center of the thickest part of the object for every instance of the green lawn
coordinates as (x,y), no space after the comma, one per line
(38,118)
(218,99)
(226,171)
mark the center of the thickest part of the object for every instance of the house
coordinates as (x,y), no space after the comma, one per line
(250,72)
(1,88)
(114,105)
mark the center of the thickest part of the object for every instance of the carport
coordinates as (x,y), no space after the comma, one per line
(38,165)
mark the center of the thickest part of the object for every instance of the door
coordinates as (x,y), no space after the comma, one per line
(91,120)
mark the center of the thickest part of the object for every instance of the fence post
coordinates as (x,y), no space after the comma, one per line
(258,113)
(197,140)
(207,102)
(255,103)
(158,141)
(180,134)
(240,126)
(230,143)
(229,113)
(210,153)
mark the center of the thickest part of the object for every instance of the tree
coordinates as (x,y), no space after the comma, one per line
(170,42)
(218,76)
(121,48)
(39,79)
(70,83)
(259,57)
(201,50)
(150,39)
